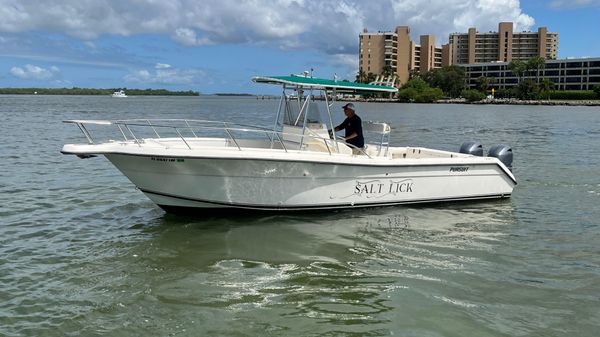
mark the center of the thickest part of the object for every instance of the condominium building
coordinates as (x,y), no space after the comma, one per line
(569,74)
(504,45)
(403,56)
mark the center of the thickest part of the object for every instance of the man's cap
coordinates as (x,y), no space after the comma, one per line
(349,106)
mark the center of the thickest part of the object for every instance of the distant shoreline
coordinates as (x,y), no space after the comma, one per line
(232,94)
(512,101)
(94,92)
(498,101)
(164,92)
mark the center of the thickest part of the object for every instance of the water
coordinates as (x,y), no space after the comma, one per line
(82,252)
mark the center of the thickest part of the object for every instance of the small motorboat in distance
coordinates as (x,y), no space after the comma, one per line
(296,164)
(119,93)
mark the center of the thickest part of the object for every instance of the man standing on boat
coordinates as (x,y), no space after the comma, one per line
(353,126)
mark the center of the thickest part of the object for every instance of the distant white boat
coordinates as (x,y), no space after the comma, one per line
(119,93)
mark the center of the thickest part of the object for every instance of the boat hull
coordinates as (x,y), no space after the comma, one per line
(184,183)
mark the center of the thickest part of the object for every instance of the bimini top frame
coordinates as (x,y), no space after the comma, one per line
(341,87)
(304,87)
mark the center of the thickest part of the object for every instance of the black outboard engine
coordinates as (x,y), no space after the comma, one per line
(473,148)
(502,152)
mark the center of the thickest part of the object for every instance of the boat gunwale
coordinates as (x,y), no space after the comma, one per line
(372,163)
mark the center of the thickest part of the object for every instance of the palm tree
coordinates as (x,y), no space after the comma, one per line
(537,63)
(596,89)
(518,68)
(483,83)
(546,86)
(387,70)
(414,73)
(361,77)
(371,78)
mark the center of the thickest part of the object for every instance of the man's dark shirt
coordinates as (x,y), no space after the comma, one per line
(351,125)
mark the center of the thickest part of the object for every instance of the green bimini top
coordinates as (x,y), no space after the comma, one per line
(323,84)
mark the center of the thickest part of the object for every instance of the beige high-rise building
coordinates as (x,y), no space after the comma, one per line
(396,50)
(504,45)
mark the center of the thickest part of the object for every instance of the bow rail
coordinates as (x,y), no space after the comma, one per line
(140,131)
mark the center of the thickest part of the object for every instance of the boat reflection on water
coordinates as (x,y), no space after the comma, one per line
(356,269)
(293,238)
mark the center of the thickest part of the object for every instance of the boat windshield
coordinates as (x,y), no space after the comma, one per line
(296,108)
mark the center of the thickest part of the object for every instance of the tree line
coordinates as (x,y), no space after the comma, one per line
(92,91)
(452,82)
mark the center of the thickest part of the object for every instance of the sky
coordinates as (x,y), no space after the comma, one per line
(216,46)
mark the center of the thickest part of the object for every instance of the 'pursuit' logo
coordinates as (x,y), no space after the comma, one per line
(459,169)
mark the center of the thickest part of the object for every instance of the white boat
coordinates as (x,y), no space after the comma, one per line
(119,93)
(197,164)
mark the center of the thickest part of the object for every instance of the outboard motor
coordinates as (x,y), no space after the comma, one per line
(502,152)
(473,148)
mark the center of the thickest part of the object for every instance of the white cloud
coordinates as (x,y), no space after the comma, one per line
(345,60)
(165,74)
(187,37)
(331,26)
(138,76)
(33,72)
(62,83)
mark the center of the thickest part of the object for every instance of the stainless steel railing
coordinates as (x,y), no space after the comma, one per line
(179,128)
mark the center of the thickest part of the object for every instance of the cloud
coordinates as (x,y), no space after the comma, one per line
(32,72)
(345,60)
(162,66)
(90,45)
(187,37)
(166,74)
(330,26)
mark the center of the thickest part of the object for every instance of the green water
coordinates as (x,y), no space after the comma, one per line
(83,253)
